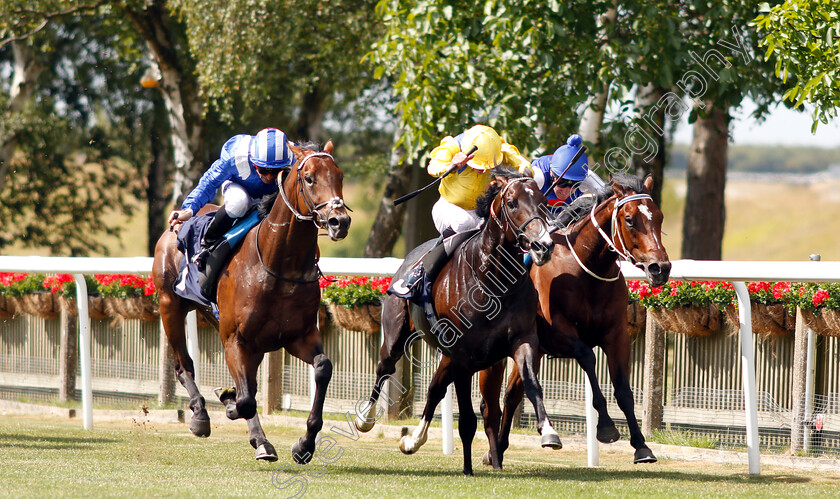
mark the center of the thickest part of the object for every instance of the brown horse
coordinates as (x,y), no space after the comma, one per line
(486,306)
(268,297)
(583,303)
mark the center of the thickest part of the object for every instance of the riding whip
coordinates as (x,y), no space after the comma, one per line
(576,157)
(452,168)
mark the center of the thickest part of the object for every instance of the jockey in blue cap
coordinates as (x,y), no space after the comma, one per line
(246,170)
(575,179)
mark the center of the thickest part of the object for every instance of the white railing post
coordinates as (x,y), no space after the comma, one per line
(192,343)
(84,349)
(592,448)
(809,390)
(446,423)
(748,373)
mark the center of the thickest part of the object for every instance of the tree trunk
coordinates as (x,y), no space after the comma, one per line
(311,117)
(654,126)
(156,190)
(389,219)
(180,95)
(705,212)
(26,71)
(593,116)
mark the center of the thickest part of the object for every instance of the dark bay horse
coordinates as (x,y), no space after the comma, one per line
(485,300)
(583,303)
(268,297)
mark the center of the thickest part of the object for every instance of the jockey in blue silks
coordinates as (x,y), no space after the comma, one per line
(246,170)
(574,182)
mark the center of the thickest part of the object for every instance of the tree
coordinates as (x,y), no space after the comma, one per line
(803,38)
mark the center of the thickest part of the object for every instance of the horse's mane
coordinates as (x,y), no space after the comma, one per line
(581,206)
(267,201)
(482,204)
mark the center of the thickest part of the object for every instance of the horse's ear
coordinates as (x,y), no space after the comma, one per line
(498,181)
(648,183)
(329,147)
(618,189)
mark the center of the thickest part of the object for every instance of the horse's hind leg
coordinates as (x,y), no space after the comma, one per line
(490,384)
(309,350)
(618,359)
(172,315)
(467,422)
(528,361)
(409,444)
(397,329)
(513,396)
(607,432)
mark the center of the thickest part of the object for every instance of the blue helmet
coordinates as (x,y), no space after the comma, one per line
(561,157)
(269,149)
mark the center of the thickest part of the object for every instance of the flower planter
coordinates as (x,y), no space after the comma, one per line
(44,305)
(8,307)
(96,307)
(692,321)
(635,317)
(827,323)
(366,318)
(771,321)
(132,308)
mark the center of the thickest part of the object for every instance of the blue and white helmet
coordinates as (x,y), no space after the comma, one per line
(269,149)
(564,154)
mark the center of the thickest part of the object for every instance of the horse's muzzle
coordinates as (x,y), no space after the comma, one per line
(657,272)
(338,225)
(541,251)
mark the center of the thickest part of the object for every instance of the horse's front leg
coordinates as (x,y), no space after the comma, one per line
(618,360)
(397,332)
(467,422)
(409,444)
(490,384)
(607,432)
(528,361)
(309,350)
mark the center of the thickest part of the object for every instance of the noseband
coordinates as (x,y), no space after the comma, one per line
(314,216)
(625,253)
(519,230)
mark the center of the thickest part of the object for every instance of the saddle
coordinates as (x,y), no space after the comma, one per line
(201,286)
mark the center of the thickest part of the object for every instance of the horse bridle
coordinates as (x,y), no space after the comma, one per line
(519,230)
(314,216)
(624,254)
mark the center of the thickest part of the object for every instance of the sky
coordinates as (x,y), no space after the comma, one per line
(783,127)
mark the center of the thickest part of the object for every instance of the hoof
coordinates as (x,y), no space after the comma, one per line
(644,455)
(608,434)
(300,455)
(364,426)
(403,449)
(200,427)
(551,441)
(225,394)
(266,452)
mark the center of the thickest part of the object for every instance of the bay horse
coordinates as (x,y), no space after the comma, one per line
(486,304)
(268,297)
(583,303)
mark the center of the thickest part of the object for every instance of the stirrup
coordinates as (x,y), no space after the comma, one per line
(200,258)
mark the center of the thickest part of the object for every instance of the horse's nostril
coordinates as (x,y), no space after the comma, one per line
(334,222)
(654,269)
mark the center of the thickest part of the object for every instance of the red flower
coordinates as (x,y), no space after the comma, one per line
(820,296)
(780,289)
(55,283)
(9,278)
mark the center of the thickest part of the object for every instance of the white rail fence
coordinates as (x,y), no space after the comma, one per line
(687,270)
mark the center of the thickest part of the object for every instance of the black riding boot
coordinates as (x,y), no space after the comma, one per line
(221,223)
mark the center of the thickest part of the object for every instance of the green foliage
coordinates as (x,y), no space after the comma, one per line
(353,292)
(803,38)
(15,285)
(684,439)
(682,294)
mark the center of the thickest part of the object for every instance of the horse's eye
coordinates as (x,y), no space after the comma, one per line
(629,221)
(309,179)
(511,203)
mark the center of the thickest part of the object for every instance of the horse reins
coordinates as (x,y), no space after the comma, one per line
(625,254)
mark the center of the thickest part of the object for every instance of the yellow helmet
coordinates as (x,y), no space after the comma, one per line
(489,152)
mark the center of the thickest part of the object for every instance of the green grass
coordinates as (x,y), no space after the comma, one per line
(684,439)
(52,457)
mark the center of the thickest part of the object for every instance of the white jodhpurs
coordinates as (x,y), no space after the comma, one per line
(450,216)
(236,199)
